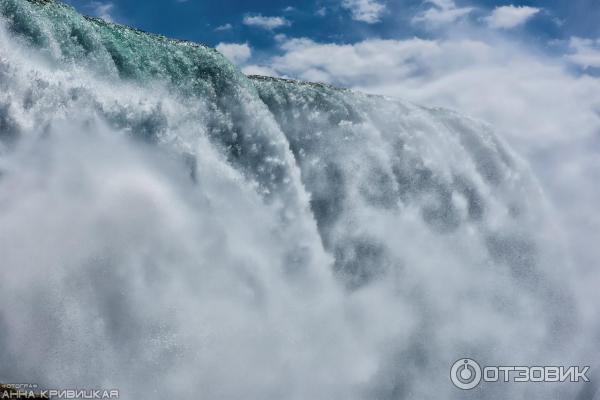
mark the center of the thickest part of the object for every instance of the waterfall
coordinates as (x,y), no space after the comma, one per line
(174,229)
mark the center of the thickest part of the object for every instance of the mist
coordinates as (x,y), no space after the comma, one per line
(171,227)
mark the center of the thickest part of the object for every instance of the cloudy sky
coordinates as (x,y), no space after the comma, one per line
(371,43)
(529,68)
(437,52)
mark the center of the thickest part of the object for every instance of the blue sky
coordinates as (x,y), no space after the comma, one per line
(535,58)
(254,33)
(330,20)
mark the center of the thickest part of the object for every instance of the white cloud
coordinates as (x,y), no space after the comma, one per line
(369,11)
(507,17)
(443,4)
(266,22)
(443,12)
(225,27)
(102,10)
(280,37)
(237,53)
(585,52)
(367,61)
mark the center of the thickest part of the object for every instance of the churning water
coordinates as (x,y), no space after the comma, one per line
(175,229)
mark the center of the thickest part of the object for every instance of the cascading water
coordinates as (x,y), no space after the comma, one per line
(174,229)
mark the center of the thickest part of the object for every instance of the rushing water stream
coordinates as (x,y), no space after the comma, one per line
(175,229)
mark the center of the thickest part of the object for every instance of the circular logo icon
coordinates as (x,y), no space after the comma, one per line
(465,374)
